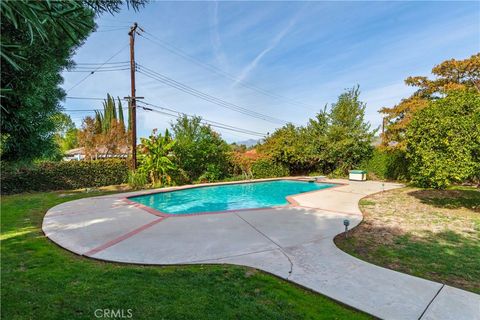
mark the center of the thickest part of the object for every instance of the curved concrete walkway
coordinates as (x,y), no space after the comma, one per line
(293,242)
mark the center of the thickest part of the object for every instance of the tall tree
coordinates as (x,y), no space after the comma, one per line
(31,77)
(120,114)
(348,136)
(449,75)
(336,139)
(66,132)
(198,148)
(44,20)
(98,122)
(443,140)
(109,128)
(291,146)
(109,113)
(317,129)
(38,39)
(88,138)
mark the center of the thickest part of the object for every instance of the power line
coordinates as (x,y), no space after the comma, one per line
(212,99)
(205,122)
(173,113)
(102,68)
(189,90)
(100,63)
(177,51)
(92,72)
(95,68)
(113,66)
(225,127)
(90,98)
(81,110)
(211,122)
(116,25)
(179,113)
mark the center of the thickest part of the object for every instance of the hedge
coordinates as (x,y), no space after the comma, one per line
(48,176)
(386,165)
(265,168)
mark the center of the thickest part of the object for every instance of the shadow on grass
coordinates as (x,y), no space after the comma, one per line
(451,199)
(447,257)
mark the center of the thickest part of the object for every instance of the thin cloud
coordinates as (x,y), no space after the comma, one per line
(216,40)
(275,41)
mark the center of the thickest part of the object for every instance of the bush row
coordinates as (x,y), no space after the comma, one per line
(386,165)
(63,175)
(265,168)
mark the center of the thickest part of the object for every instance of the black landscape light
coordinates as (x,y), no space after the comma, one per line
(346,223)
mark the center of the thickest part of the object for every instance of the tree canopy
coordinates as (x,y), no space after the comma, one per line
(38,39)
(66,134)
(443,140)
(106,132)
(348,136)
(291,146)
(449,75)
(198,149)
(336,139)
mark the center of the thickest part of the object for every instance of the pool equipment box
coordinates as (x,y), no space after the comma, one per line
(357,175)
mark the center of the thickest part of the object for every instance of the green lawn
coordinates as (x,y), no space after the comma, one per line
(432,234)
(39,280)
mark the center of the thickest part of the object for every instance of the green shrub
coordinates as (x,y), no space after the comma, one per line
(197,147)
(179,177)
(397,166)
(338,173)
(386,165)
(315,173)
(267,169)
(137,179)
(238,177)
(213,173)
(47,176)
(443,141)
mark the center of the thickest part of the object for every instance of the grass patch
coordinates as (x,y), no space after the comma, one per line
(433,234)
(366,202)
(39,280)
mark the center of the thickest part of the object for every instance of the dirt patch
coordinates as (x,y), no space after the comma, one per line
(429,233)
(250,272)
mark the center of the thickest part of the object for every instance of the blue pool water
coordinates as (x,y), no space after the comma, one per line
(227,197)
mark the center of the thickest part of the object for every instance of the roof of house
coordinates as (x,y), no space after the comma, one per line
(100,150)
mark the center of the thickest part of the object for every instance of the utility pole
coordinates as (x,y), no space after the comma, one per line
(133,102)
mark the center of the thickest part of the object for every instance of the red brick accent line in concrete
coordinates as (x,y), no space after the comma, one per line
(163,215)
(122,237)
(329,210)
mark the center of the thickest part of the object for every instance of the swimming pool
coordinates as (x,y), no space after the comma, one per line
(227,197)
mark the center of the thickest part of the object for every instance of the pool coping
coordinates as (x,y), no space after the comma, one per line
(290,198)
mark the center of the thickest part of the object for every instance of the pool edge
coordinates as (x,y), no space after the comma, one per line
(291,202)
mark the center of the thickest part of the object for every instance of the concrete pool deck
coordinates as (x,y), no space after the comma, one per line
(293,242)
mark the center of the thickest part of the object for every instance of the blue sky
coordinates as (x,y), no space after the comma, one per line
(308,52)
